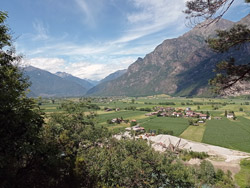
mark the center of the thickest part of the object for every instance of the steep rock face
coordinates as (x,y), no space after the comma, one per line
(46,84)
(179,66)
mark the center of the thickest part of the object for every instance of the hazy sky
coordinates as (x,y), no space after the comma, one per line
(93,38)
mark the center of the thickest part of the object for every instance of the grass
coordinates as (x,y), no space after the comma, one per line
(227,133)
(194,133)
(177,125)
(243,177)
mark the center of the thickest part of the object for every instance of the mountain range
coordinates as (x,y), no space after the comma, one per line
(60,84)
(180,67)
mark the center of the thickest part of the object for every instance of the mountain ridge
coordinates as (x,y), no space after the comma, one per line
(46,84)
(84,83)
(167,68)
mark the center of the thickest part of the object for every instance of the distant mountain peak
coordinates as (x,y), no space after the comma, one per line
(62,74)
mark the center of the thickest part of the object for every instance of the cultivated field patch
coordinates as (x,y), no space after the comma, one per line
(230,134)
(177,125)
(194,133)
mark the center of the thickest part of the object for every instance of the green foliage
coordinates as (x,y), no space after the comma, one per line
(70,106)
(207,172)
(130,108)
(146,109)
(166,103)
(243,177)
(134,164)
(187,155)
(133,123)
(162,131)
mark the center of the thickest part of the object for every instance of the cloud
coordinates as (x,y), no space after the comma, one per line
(95,60)
(82,69)
(90,9)
(151,17)
(41,31)
(49,64)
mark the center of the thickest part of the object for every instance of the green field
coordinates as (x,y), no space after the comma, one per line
(194,133)
(177,125)
(228,133)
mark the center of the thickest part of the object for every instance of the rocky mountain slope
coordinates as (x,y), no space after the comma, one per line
(181,66)
(113,76)
(46,84)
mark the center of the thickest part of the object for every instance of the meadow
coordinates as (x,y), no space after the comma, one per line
(234,134)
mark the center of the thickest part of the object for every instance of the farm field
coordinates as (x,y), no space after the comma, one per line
(226,133)
(177,125)
(194,133)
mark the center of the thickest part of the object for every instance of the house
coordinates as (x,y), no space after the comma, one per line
(176,114)
(203,116)
(163,114)
(189,113)
(188,109)
(230,115)
(136,128)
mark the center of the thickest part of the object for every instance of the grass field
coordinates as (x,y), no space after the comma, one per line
(194,133)
(228,133)
(177,125)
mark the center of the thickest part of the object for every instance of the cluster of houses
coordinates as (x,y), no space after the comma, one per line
(135,128)
(171,112)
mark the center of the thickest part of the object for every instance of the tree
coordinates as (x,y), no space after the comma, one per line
(20,120)
(231,76)
(212,10)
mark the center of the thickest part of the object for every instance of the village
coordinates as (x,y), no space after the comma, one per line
(194,118)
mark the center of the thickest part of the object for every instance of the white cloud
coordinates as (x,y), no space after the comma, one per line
(49,64)
(41,30)
(82,69)
(98,59)
(153,16)
(91,10)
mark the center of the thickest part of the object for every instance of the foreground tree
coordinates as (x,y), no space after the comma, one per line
(20,119)
(231,75)
(212,10)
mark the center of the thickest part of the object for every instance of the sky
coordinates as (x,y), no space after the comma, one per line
(93,38)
